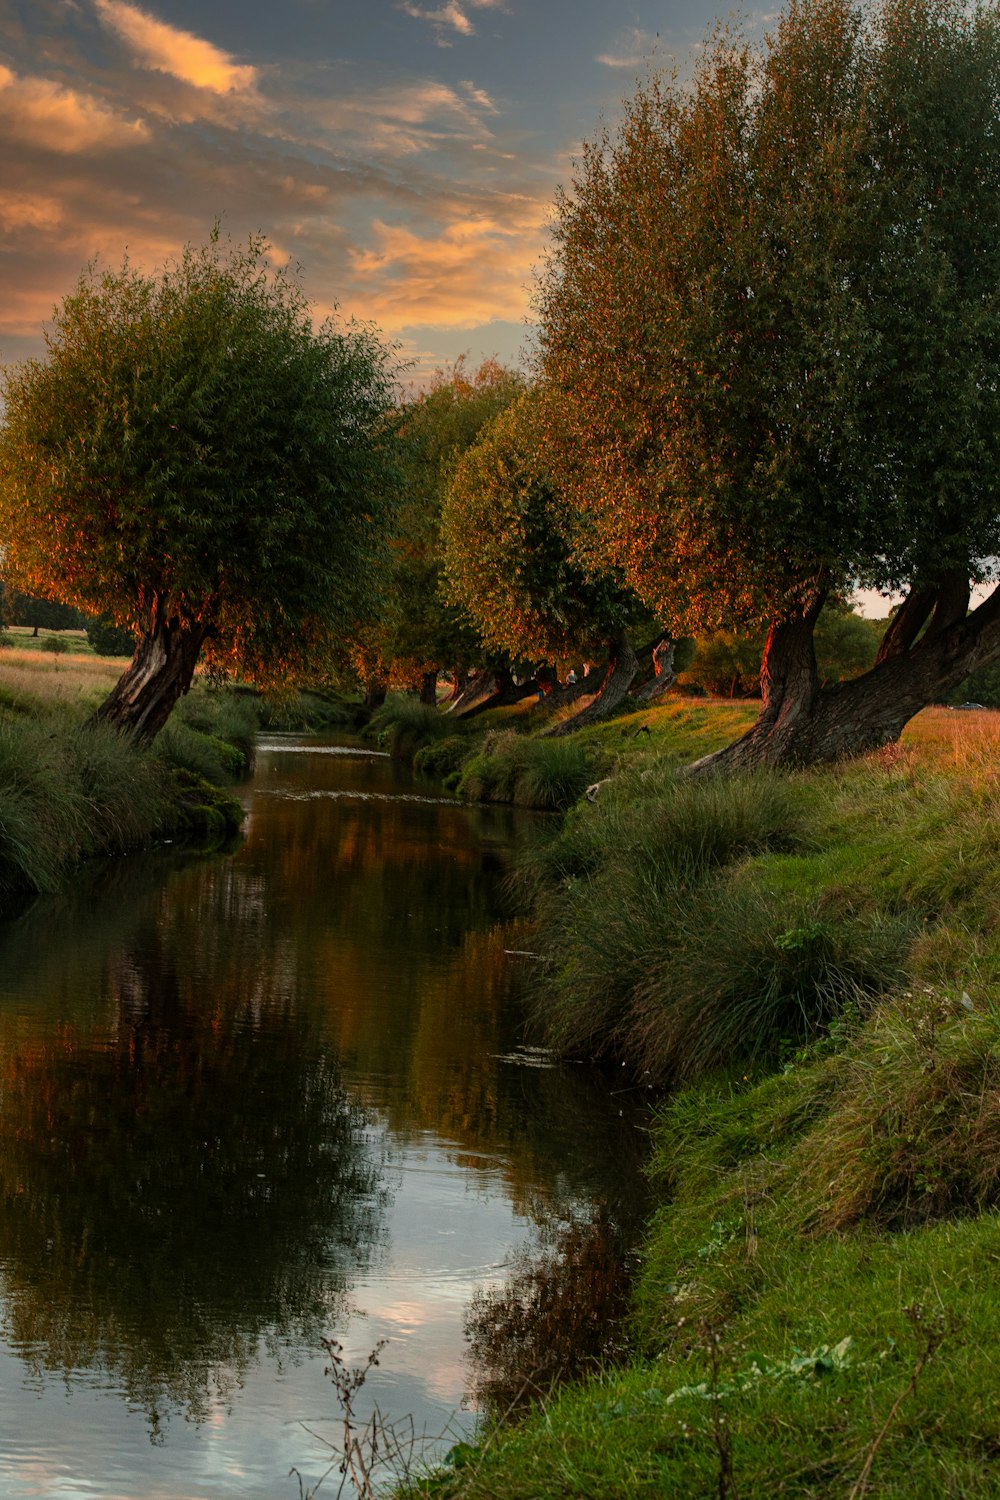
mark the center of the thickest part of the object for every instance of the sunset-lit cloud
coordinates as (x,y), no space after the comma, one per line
(411,180)
(468,272)
(166,49)
(40,112)
(452,16)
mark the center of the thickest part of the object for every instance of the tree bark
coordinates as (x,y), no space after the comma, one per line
(618,678)
(802,724)
(503,692)
(158,675)
(428,689)
(375,693)
(664,675)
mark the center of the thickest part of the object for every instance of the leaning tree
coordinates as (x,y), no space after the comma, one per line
(195,459)
(770,321)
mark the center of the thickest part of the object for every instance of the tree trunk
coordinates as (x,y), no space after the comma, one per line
(663,669)
(505,693)
(375,695)
(158,675)
(459,683)
(801,724)
(428,689)
(618,678)
(478,685)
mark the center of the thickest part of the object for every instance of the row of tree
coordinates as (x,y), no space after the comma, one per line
(768,371)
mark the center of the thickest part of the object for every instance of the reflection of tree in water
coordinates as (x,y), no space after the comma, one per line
(176,1193)
(559,1315)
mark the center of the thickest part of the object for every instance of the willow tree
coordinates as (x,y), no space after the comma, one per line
(195,459)
(510,549)
(425,631)
(771,321)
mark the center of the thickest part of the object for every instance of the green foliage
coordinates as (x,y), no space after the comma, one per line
(41,614)
(191,450)
(109,639)
(666,948)
(422,630)
(442,759)
(508,545)
(55,645)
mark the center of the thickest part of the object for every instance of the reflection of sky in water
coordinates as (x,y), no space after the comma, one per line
(448,1232)
(374,917)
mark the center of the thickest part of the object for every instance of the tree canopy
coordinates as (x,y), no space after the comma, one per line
(770,325)
(507,545)
(194,458)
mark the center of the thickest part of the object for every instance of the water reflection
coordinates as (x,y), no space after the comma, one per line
(251,1101)
(173,1183)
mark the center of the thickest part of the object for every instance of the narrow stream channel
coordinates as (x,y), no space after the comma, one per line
(251,1101)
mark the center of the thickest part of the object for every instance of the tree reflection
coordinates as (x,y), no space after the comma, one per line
(178,1188)
(559,1315)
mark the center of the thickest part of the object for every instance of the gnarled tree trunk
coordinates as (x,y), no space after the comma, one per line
(801,723)
(428,689)
(618,678)
(503,693)
(159,673)
(664,675)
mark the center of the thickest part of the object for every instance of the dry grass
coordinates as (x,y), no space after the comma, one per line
(39,677)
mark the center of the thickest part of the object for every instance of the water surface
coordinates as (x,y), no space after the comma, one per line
(252,1101)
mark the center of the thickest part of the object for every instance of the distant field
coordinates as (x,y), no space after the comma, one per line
(77,676)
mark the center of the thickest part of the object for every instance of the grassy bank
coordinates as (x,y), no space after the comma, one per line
(811,962)
(72,791)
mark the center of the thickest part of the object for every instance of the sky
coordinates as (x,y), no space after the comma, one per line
(404,153)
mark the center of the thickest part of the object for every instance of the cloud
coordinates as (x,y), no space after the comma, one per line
(632,49)
(469,271)
(452,15)
(166,49)
(38,112)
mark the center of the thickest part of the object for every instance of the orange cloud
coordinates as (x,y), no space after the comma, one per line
(38,112)
(471,272)
(166,49)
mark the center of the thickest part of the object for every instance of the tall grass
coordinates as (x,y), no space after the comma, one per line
(403,726)
(67,792)
(540,773)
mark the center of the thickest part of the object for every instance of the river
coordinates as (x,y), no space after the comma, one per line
(251,1101)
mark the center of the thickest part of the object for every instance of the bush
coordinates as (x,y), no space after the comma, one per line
(442,758)
(68,791)
(913,1131)
(673,949)
(55,644)
(108,639)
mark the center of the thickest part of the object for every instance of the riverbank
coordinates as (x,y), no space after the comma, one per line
(811,962)
(74,791)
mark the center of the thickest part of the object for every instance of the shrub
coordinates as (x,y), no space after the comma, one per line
(442,758)
(671,948)
(108,639)
(913,1131)
(203,755)
(541,773)
(55,644)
